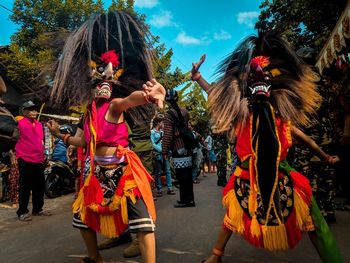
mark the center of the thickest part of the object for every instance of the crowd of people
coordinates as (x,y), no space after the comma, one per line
(129,151)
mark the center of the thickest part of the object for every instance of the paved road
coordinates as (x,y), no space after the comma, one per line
(183,235)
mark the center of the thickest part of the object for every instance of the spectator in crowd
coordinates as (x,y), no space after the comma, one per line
(60,150)
(76,156)
(220,146)
(14,177)
(197,156)
(160,163)
(30,154)
(320,174)
(182,156)
(234,157)
(7,141)
(5,165)
(340,116)
(209,145)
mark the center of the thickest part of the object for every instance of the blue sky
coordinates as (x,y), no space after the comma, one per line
(190,27)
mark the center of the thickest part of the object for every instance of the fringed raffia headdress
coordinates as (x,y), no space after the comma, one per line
(293,91)
(117,31)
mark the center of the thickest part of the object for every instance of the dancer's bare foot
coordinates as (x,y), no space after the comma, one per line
(213,259)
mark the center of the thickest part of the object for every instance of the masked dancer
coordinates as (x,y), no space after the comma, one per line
(264,92)
(106,62)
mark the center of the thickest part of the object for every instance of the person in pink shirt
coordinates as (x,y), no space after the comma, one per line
(30,154)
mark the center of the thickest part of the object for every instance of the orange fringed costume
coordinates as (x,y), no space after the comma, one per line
(278,228)
(109,216)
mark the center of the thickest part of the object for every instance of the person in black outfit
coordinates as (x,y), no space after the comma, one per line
(181,155)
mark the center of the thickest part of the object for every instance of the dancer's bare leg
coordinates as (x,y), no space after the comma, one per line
(209,167)
(90,241)
(147,246)
(224,237)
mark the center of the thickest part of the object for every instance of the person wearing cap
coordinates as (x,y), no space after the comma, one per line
(30,154)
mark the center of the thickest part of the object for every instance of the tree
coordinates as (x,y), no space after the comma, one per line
(162,67)
(303,22)
(44,25)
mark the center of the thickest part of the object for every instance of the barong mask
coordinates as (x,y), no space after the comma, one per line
(105,71)
(103,90)
(266,66)
(109,54)
(106,67)
(259,80)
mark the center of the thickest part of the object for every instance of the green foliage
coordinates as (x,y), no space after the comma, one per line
(303,22)
(162,68)
(38,16)
(122,5)
(44,26)
(196,104)
(21,66)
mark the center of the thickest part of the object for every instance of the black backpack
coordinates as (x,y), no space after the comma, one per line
(9,132)
(185,133)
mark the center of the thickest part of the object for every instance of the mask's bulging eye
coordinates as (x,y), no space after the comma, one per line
(106,67)
(100,69)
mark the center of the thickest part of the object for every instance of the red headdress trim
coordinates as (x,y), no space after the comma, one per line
(259,61)
(111,56)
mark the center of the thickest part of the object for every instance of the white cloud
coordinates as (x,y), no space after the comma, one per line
(222,35)
(162,20)
(185,39)
(146,3)
(247,18)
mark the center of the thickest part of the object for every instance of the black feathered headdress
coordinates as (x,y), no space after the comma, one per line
(293,91)
(117,31)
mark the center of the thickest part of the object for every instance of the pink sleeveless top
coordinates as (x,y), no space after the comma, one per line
(108,133)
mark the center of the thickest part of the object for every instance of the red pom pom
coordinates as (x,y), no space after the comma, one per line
(111,56)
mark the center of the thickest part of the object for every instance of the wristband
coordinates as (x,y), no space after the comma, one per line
(196,76)
(217,252)
(328,158)
(66,138)
(147,98)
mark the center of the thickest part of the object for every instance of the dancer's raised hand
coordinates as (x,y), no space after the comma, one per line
(154,92)
(195,68)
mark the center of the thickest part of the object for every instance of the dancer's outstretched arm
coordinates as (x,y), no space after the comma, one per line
(196,75)
(78,141)
(303,138)
(153,92)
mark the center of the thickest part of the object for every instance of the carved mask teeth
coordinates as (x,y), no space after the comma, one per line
(104,90)
(260,89)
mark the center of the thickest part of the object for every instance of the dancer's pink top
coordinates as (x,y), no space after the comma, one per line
(108,133)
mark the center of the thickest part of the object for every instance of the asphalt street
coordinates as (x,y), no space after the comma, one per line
(183,234)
